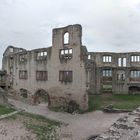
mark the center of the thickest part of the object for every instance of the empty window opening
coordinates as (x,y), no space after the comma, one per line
(11,70)
(88,77)
(107,59)
(41,75)
(20,50)
(107,88)
(22,57)
(135,58)
(89,56)
(135,74)
(122,62)
(119,62)
(11,61)
(41,55)
(66,38)
(107,73)
(23,93)
(23,74)
(65,76)
(66,53)
(121,77)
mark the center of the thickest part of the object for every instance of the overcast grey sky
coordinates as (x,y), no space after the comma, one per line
(108,25)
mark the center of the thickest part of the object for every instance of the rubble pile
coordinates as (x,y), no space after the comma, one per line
(125,128)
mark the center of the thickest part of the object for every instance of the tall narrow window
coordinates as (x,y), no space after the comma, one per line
(65,53)
(107,73)
(89,56)
(135,58)
(42,55)
(119,62)
(135,73)
(107,58)
(66,38)
(122,62)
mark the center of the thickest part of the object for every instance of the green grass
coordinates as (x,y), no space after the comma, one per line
(97,102)
(42,127)
(45,129)
(5,110)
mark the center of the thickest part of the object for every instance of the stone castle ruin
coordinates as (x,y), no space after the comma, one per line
(56,74)
(3,88)
(65,72)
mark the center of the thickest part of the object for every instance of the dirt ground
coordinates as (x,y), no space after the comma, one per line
(76,127)
(14,130)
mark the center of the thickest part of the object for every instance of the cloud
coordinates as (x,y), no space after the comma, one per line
(107,25)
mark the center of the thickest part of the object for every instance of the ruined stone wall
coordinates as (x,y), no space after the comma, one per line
(118,68)
(125,128)
(84,69)
(58,91)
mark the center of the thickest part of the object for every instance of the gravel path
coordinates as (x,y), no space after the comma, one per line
(78,126)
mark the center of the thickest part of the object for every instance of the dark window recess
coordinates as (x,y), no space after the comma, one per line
(22,57)
(41,75)
(65,53)
(65,76)
(23,74)
(11,61)
(41,55)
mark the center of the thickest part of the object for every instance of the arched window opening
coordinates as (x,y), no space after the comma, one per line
(66,38)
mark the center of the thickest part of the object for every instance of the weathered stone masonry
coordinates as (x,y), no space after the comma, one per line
(65,71)
(115,72)
(58,71)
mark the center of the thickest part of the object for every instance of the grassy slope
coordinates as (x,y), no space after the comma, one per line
(97,102)
(5,110)
(41,126)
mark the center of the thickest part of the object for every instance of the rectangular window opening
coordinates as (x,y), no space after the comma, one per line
(65,53)
(41,55)
(107,58)
(135,74)
(135,58)
(23,74)
(107,73)
(22,57)
(89,57)
(65,76)
(41,75)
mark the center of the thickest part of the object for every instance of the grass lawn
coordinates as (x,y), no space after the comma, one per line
(45,129)
(97,102)
(42,127)
(5,110)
